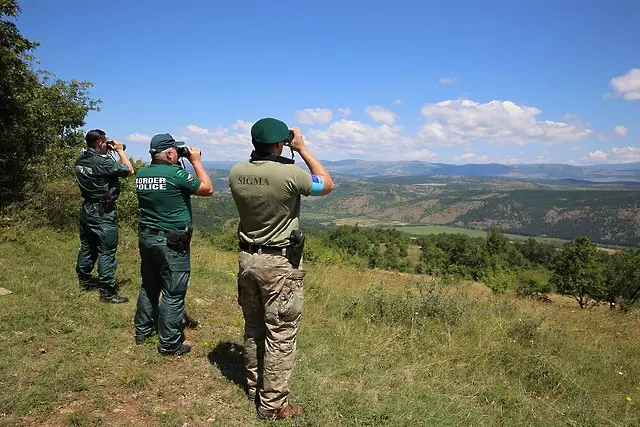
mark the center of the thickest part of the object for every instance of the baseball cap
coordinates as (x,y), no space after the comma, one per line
(162,141)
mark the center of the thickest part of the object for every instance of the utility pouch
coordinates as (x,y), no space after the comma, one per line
(295,248)
(179,241)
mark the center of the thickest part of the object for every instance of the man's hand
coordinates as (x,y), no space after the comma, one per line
(206,187)
(297,144)
(194,154)
(117,146)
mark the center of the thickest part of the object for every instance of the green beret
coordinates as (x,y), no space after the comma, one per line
(269,131)
(162,141)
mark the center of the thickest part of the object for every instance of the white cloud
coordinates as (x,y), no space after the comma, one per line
(626,154)
(459,122)
(381,114)
(196,130)
(138,137)
(222,143)
(311,116)
(621,130)
(618,132)
(348,138)
(397,101)
(510,161)
(628,85)
(595,156)
(615,155)
(344,112)
(424,155)
(448,80)
(242,126)
(472,158)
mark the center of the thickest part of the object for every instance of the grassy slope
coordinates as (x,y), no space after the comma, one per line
(369,353)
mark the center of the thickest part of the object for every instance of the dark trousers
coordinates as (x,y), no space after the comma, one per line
(99,232)
(165,272)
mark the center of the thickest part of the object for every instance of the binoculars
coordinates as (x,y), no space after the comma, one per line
(289,139)
(111,144)
(183,152)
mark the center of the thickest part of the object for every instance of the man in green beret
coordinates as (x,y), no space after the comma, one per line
(164,196)
(267,191)
(98,177)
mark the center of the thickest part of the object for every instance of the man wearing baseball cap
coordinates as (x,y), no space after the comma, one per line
(164,196)
(266,191)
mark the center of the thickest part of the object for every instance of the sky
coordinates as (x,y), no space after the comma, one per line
(439,81)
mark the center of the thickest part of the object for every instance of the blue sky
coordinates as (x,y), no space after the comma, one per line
(453,82)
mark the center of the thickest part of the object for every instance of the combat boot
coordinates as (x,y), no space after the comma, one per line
(107,295)
(144,339)
(188,322)
(89,285)
(183,349)
(287,411)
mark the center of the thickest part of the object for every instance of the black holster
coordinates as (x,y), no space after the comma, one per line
(295,248)
(107,203)
(179,240)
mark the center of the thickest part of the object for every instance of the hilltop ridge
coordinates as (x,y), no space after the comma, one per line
(537,171)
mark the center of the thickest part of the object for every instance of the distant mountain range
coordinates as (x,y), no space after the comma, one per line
(623,172)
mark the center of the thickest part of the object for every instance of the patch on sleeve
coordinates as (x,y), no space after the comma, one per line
(317,185)
(190,177)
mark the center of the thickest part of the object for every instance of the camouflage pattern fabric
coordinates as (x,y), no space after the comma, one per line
(270,293)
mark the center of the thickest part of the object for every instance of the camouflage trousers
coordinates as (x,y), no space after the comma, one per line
(270,293)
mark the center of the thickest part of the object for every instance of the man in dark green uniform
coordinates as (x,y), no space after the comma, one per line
(164,196)
(98,176)
(267,191)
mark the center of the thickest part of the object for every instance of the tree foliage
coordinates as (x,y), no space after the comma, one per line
(623,277)
(579,272)
(40,116)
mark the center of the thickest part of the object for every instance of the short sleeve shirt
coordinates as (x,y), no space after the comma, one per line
(97,175)
(267,196)
(164,196)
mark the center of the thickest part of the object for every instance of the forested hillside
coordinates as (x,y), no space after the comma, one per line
(606,215)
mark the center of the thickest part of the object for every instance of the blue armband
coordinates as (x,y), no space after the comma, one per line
(317,185)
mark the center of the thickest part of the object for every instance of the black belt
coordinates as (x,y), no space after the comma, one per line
(273,250)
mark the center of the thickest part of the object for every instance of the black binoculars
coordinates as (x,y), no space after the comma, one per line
(183,151)
(111,145)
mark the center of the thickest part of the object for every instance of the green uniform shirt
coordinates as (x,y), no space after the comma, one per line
(164,196)
(97,175)
(267,196)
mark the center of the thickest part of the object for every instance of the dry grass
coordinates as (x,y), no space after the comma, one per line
(376,348)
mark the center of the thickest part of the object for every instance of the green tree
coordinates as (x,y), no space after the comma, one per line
(497,243)
(579,272)
(623,277)
(40,116)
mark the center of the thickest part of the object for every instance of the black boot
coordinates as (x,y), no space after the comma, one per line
(89,285)
(188,322)
(108,295)
(183,349)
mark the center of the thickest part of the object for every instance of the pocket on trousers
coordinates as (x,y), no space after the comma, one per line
(178,266)
(290,301)
(110,236)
